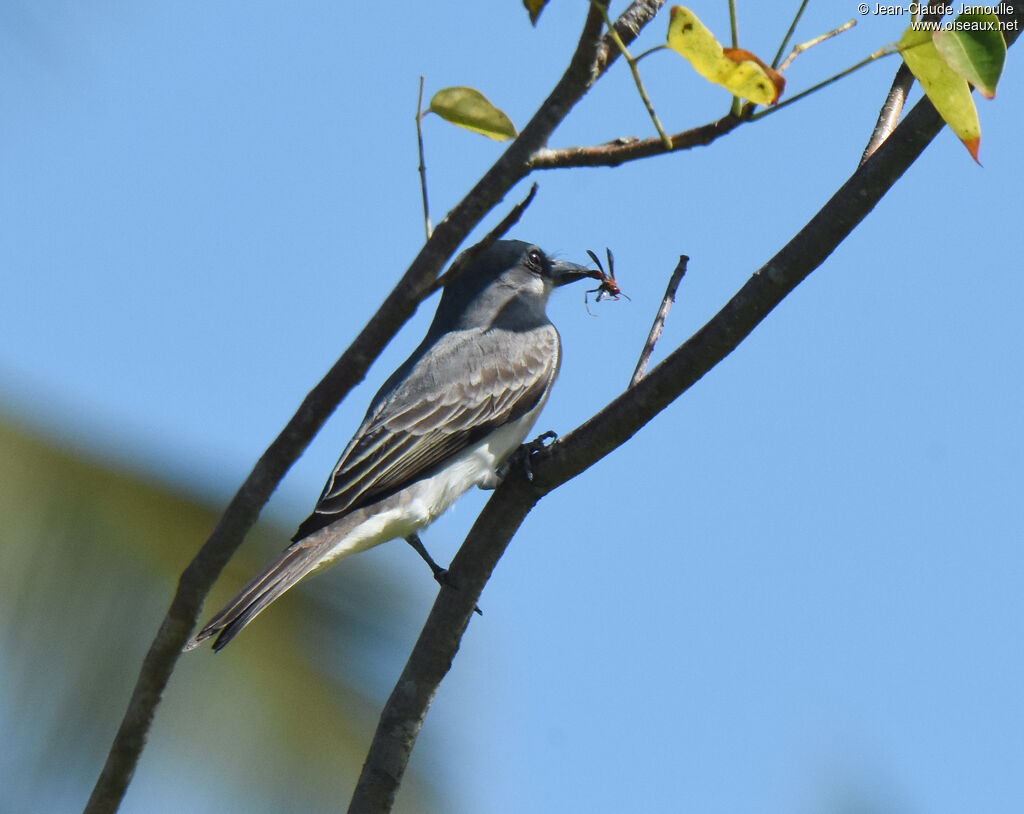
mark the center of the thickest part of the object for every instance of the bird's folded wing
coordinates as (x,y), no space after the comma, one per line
(467,385)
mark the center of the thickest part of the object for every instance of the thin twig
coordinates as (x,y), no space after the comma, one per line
(659,320)
(881,52)
(803,46)
(423,166)
(467,257)
(636,73)
(789,33)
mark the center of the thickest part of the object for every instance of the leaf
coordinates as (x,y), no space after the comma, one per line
(975,49)
(736,70)
(469,108)
(946,89)
(535,7)
(748,65)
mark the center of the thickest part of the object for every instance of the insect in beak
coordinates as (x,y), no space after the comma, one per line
(609,288)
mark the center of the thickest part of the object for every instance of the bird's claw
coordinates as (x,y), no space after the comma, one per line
(525,451)
(441,575)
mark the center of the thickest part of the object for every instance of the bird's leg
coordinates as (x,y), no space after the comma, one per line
(417,545)
(440,574)
(525,451)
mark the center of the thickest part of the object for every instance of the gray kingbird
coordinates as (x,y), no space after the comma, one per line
(446,420)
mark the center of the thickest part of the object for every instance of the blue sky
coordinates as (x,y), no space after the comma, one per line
(798,587)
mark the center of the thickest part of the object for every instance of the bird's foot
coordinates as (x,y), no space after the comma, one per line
(526,451)
(445,581)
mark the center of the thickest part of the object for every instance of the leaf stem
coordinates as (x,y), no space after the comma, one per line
(881,52)
(650,51)
(736,104)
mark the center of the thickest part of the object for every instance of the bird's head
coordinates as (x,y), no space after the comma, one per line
(508,283)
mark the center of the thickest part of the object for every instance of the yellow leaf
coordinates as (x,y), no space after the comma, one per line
(736,70)
(945,88)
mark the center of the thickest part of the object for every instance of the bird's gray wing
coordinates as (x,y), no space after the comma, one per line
(466,385)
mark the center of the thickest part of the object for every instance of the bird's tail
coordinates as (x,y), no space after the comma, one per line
(295,562)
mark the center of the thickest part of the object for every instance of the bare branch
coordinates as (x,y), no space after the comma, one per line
(659,320)
(614,153)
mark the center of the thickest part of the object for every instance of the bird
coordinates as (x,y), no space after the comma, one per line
(447,419)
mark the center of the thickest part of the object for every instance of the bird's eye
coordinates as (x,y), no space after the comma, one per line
(535,258)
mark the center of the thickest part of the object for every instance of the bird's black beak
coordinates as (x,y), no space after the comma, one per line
(563,273)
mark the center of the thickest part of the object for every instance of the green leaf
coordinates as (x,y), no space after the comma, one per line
(946,89)
(535,7)
(975,49)
(469,108)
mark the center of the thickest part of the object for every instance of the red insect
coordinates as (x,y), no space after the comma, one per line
(609,288)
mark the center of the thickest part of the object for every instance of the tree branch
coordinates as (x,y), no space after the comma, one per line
(614,153)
